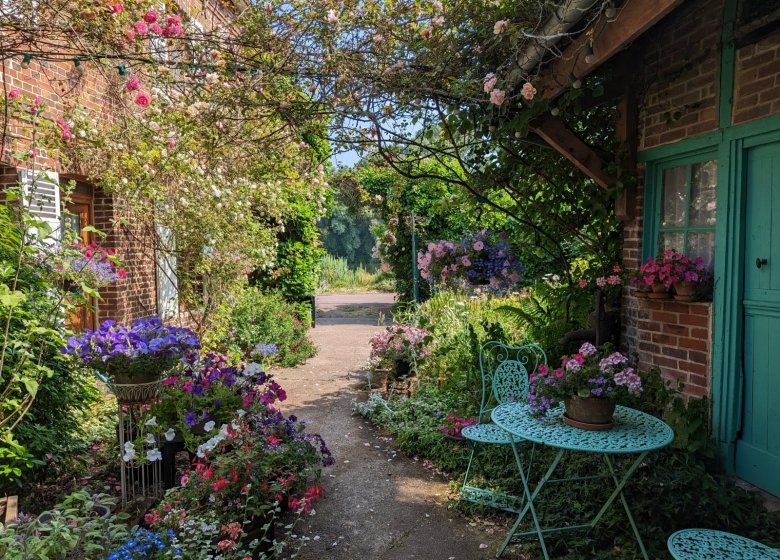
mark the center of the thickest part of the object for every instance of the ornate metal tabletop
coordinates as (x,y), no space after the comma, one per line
(633,432)
(708,544)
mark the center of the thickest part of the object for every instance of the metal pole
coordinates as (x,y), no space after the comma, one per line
(415,270)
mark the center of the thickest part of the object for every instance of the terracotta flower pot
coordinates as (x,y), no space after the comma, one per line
(659,291)
(685,291)
(589,413)
(642,291)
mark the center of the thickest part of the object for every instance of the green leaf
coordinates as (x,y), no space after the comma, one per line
(31,385)
(10,298)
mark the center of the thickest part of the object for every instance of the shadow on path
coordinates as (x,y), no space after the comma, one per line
(379,504)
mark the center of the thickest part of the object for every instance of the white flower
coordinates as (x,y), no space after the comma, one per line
(154,455)
(241,412)
(150,439)
(209,425)
(170,434)
(129,451)
(127,457)
(152,421)
(333,17)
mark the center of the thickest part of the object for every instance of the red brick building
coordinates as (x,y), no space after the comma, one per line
(150,286)
(696,84)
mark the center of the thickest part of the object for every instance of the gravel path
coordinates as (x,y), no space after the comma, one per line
(379,504)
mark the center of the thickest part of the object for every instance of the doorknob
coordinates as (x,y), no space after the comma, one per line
(761,262)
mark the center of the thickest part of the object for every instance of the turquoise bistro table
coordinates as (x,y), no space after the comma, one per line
(709,544)
(634,433)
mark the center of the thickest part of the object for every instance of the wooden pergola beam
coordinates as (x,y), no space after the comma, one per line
(554,132)
(609,38)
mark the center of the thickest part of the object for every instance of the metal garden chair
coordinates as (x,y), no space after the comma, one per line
(505,371)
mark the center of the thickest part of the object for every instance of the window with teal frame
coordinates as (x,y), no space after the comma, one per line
(681,211)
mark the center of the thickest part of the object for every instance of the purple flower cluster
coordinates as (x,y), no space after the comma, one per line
(265,350)
(147,346)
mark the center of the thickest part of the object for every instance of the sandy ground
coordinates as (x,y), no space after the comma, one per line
(379,504)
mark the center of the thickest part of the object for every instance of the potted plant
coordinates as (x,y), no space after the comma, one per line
(135,356)
(657,274)
(197,401)
(403,346)
(453,426)
(689,274)
(477,261)
(590,383)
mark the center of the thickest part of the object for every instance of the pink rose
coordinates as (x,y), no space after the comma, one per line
(500,26)
(38,100)
(116,8)
(583,283)
(13,94)
(497,97)
(172,20)
(490,82)
(141,28)
(143,99)
(528,91)
(150,16)
(156,29)
(130,34)
(133,83)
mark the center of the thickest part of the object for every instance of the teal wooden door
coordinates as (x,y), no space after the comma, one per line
(758,449)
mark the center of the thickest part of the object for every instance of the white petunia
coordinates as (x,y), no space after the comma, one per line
(152,421)
(209,425)
(170,434)
(241,412)
(154,455)
(150,439)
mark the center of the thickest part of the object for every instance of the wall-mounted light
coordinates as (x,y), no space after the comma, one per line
(26,59)
(555,111)
(610,12)
(576,83)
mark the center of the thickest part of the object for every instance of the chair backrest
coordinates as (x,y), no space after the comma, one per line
(505,371)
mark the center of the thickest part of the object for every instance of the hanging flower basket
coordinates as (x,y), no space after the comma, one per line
(136,388)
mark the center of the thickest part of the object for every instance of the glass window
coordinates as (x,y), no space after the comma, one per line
(688,206)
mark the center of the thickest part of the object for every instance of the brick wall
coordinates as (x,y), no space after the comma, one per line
(680,74)
(61,86)
(757,80)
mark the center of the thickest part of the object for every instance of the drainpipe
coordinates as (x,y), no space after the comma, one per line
(562,20)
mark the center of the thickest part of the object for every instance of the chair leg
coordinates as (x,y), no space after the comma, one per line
(471,459)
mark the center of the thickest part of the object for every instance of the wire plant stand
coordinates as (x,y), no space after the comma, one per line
(142,479)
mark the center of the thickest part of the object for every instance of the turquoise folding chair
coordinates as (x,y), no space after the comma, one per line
(505,371)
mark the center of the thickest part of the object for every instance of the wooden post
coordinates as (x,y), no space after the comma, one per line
(625,130)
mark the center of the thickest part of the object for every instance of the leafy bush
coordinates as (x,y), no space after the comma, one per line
(255,318)
(70,530)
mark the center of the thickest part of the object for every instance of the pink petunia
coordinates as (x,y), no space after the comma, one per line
(143,99)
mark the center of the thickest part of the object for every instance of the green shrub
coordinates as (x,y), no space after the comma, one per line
(256,318)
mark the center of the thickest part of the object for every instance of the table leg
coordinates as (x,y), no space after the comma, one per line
(618,492)
(529,504)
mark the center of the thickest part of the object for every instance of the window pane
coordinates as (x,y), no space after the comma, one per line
(671,240)
(702,244)
(674,193)
(704,182)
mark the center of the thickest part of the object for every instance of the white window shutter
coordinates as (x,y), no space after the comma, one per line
(167,281)
(41,195)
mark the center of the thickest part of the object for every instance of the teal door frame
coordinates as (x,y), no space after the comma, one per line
(730,144)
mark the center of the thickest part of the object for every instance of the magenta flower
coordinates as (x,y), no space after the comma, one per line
(143,99)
